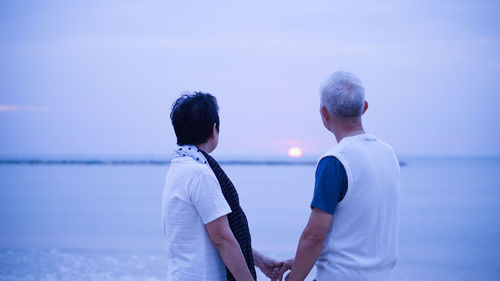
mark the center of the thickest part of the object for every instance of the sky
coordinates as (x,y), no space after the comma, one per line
(99,77)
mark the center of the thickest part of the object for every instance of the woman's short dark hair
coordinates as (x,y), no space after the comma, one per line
(193,117)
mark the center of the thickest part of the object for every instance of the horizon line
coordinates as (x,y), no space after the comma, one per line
(164,160)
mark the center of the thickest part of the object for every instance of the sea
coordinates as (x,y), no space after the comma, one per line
(101,220)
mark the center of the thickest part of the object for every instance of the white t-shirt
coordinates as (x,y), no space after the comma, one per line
(192,197)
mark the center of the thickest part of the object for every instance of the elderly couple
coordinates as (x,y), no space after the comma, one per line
(352,230)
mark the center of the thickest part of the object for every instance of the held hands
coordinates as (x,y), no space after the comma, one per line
(269,267)
(273,269)
(280,271)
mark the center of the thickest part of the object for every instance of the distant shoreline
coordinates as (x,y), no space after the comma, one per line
(142,162)
(166,162)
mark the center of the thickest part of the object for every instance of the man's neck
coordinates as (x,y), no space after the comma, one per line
(348,130)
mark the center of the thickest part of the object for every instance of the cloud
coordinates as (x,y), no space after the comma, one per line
(17,108)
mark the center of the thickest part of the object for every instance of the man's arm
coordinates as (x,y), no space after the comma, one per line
(329,189)
(310,244)
(221,236)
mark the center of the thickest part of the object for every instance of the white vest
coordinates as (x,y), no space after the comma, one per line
(362,240)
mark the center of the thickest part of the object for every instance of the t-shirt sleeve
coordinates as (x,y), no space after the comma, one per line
(208,199)
(330,186)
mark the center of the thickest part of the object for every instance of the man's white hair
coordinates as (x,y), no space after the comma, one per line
(343,95)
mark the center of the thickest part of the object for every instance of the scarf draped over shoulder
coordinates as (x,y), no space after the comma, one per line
(237,218)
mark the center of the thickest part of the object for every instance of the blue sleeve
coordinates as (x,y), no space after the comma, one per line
(331,184)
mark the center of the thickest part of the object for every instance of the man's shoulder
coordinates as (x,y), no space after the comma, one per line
(334,152)
(339,147)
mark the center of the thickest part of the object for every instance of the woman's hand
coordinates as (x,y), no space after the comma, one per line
(268,266)
(285,266)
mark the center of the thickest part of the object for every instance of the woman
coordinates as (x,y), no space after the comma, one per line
(205,228)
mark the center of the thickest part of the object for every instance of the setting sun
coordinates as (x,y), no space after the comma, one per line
(295,152)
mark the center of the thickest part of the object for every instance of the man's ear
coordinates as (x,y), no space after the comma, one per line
(324,113)
(365,108)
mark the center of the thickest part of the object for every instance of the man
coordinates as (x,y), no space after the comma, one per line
(352,231)
(205,228)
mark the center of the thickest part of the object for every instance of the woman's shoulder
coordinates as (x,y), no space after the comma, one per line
(188,165)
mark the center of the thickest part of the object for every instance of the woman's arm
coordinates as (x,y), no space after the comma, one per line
(221,236)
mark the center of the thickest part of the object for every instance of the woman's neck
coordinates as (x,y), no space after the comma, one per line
(206,147)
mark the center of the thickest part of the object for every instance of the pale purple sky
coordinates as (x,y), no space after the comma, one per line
(99,77)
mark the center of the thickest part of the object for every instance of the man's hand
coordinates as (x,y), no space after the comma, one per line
(285,266)
(270,268)
(267,265)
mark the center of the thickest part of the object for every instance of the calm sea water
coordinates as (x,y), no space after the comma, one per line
(84,222)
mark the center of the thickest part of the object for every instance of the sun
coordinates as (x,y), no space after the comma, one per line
(295,152)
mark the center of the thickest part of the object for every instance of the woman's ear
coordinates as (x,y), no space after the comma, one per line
(214,131)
